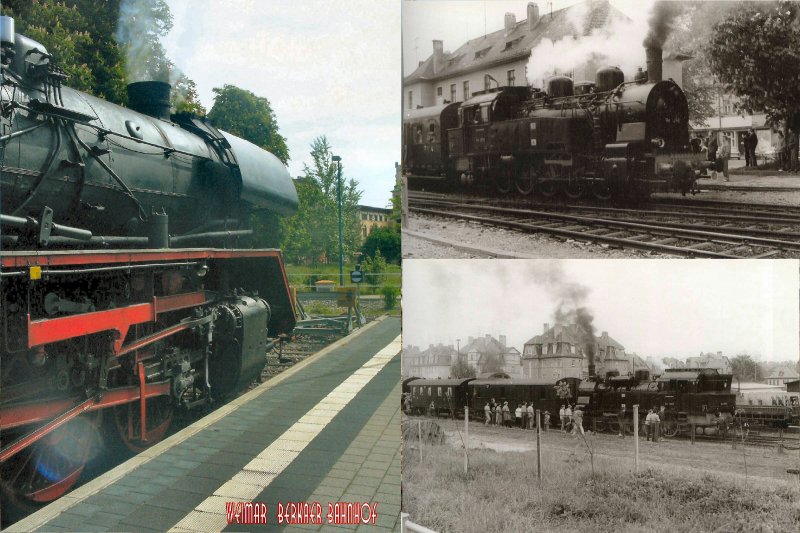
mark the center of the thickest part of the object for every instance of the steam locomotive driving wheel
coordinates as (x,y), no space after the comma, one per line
(47,469)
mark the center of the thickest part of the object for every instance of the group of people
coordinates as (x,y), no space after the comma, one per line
(571,419)
(718,155)
(652,422)
(523,416)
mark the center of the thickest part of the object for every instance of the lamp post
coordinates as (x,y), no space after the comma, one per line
(338,161)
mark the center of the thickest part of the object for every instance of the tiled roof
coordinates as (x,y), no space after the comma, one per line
(783,372)
(500,46)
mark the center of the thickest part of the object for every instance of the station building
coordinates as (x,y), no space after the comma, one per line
(373,217)
(782,375)
(432,363)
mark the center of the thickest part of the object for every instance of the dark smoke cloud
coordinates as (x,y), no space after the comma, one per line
(571,296)
(661,20)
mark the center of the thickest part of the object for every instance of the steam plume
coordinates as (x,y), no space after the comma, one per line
(661,19)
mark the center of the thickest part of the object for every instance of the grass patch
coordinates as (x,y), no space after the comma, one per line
(300,276)
(502,493)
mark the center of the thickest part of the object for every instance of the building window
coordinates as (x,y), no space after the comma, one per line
(511,78)
(438,91)
(452,92)
(411,99)
(466,90)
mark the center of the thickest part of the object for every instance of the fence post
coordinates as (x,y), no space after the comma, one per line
(466,439)
(538,445)
(636,435)
(419,436)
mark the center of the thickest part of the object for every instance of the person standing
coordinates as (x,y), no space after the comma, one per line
(524,415)
(562,417)
(745,147)
(648,429)
(791,149)
(655,422)
(751,144)
(712,153)
(577,417)
(621,421)
(724,155)
(546,422)
(487,410)
(498,415)
(568,416)
(531,414)
(518,416)
(780,147)
(506,415)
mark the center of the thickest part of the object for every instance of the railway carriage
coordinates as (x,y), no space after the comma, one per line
(439,397)
(541,392)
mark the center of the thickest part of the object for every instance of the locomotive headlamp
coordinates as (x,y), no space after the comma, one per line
(202,270)
(658,141)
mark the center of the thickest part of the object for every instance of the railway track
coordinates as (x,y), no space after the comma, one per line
(695,233)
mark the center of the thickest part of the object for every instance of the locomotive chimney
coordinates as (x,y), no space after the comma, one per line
(150,98)
(533,15)
(653,63)
(438,55)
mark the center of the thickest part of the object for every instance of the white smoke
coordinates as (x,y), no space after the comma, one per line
(617,44)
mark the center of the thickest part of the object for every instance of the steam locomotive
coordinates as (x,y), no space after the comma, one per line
(691,398)
(609,139)
(124,295)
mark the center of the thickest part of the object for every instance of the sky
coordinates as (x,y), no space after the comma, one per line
(662,308)
(328,67)
(469,19)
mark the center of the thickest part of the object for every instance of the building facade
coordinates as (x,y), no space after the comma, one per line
(563,351)
(489,355)
(432,363)
(373,217)
(782,375)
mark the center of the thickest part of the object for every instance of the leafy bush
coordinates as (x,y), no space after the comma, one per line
(390,295)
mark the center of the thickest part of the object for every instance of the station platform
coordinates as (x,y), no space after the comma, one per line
(325,430)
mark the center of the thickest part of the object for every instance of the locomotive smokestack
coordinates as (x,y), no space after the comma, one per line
(653,63)
(150,98)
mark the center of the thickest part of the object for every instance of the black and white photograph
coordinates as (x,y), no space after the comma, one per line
(601,395)
(601,129)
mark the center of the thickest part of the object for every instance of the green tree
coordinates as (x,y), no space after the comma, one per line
(744,368)
(385,241)
(142,24)
(756,52)
(461,369)
(374,268)
(491,363)
(242,113)
(312,234)
(62,30)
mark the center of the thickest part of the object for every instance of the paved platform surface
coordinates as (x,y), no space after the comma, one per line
(326,430)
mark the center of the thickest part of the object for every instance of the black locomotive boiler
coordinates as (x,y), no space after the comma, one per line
(610,139)
(125,292)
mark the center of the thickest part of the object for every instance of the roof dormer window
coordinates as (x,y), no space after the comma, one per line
(482,53)
(511,44)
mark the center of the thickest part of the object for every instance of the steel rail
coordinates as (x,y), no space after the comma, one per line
(629,243)
(687,230)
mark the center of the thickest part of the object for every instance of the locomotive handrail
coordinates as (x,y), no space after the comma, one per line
(106,131)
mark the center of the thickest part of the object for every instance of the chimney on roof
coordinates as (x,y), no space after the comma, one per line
(605,334)
(533,15)
(546,327)
(503,341)
(511,21)
(438,55)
